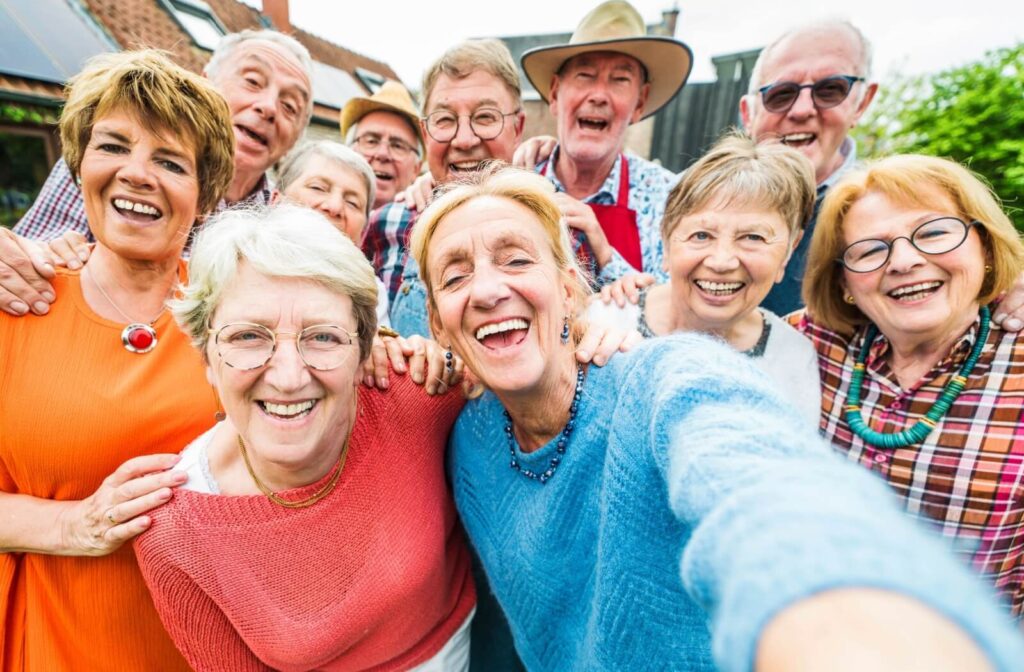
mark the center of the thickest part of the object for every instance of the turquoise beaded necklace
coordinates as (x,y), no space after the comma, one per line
(925,425)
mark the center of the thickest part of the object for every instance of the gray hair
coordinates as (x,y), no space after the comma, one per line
(283,241)
(863,63)
(231,41)
(294,164)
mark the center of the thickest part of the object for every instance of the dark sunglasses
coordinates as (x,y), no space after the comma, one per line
(825,93)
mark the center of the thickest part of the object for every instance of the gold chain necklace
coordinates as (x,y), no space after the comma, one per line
(302,503)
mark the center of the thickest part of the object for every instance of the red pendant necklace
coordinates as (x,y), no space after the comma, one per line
(137,337)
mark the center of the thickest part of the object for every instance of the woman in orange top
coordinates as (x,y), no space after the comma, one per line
(96,397)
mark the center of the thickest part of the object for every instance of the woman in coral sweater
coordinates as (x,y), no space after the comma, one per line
(316,529)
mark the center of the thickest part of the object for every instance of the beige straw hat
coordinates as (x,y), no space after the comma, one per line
(392,97)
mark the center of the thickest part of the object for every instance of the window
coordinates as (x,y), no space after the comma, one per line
(372,80)
(198,20)
(25,160)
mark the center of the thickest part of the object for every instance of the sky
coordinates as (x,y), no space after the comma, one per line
(909,36)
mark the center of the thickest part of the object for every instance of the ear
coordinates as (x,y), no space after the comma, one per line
(641,103)
(747,112)
(435,323)
(275,196)
(520,124)
(869,95)
(789,255)
(210,377)
(553,96)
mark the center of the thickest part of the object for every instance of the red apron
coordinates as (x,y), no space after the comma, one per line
(619,225)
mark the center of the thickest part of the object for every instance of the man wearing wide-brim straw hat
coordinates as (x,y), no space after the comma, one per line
(611,74)
(385,129)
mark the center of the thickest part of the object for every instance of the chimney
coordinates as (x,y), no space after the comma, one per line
(277,12)
(668,20)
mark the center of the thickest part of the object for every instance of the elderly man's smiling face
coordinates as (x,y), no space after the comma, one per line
(804,58)
(594,98)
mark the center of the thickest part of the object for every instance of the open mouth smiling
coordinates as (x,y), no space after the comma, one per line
(592,123)
(719,288)
(290,411)
(466,166)
(136,210)
(798,139)
(253,135)
(915,292)
(502,334)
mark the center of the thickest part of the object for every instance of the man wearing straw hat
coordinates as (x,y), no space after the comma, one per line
(385,129)
(610,75)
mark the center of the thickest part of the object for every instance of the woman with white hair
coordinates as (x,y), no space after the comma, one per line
(316,529)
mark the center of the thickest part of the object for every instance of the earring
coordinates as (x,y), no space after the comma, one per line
(565,330)
(849,299)
(449,360)
(988,268)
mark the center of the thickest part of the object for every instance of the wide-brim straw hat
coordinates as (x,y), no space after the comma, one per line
(616,26)
(391,97)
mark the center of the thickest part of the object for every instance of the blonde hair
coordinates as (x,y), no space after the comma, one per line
(519,186)
(737,171)
(284,241)
(464,59)
(904,179)
(164,98)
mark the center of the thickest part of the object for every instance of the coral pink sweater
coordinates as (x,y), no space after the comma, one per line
(375,576)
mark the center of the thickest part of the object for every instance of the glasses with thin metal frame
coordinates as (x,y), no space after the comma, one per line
(486,123)
(936,236)
(371,142)
(825,93)
(246,346)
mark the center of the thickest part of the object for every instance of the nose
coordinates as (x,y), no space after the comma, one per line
(803,106)
(285,371)
(136,171)
(265,103)
(903,257)
(465,138)
(383,151)
(597,92)
(722,257)
(332,204)
(488,288)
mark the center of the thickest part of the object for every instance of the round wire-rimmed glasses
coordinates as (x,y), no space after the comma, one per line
(485,122)
(936,236)
(246,346)
(826,93)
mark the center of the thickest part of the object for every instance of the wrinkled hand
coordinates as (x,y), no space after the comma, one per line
(533,151)
(423,359)
(600,342)
(70,249)
(417,196)
(101,523)
(626,288)
(1010,313)
(25,268)
(578,215)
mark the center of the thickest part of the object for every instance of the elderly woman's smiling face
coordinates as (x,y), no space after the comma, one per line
(335,190)
(915,297)
(140,188)
(499,299)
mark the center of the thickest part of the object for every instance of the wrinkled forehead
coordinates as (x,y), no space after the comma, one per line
(463,94)
(270,56)
(614,60)
(811,55)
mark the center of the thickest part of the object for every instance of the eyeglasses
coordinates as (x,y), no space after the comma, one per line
(245,346)
(371,142)
(936,236)
(486,123)
(825,93)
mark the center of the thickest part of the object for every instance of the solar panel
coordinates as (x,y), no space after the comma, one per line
(47,40)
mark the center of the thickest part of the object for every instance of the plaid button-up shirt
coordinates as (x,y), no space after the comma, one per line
(386,244)
(966,476)
(60,207)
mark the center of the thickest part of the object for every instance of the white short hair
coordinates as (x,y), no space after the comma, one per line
(863,63)
(294,163)
(285,241)
(231,41)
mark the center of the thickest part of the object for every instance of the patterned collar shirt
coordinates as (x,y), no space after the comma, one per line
(60,208)
(649,185)
(966,476)
(386,244)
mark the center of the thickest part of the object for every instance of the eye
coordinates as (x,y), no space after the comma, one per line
(252,82)
(354,204)
(173,167)
(112,148)
(290,108)
(754,238)
(700,236)
(245,336)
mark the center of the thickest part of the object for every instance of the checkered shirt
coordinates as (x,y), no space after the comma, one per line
(966,476)
(60,207)
(386,244)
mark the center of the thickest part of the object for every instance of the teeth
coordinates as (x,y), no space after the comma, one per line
(382,176)
(914,289)
(798,137)
(719,287)
(287,410)
(142,208)
(499,327)
(466,165)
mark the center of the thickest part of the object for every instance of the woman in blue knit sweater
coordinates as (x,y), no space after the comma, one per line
(666,511)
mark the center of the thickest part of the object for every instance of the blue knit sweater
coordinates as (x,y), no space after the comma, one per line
(690,507)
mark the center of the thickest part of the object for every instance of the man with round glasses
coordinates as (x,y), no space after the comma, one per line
(385,129)
(809,88)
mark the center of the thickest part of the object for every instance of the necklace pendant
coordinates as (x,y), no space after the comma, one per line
(139,338)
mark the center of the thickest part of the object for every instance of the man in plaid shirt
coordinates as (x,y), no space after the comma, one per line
(265,78)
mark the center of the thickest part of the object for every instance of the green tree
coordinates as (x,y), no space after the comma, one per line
(972,113)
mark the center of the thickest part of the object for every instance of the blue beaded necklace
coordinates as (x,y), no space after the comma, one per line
(923,427)
(563,437)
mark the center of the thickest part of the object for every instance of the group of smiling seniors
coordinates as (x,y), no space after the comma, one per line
(612,509)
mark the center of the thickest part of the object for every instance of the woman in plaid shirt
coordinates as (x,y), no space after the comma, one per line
(918,384)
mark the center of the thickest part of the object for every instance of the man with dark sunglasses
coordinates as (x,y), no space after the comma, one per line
(808,89)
